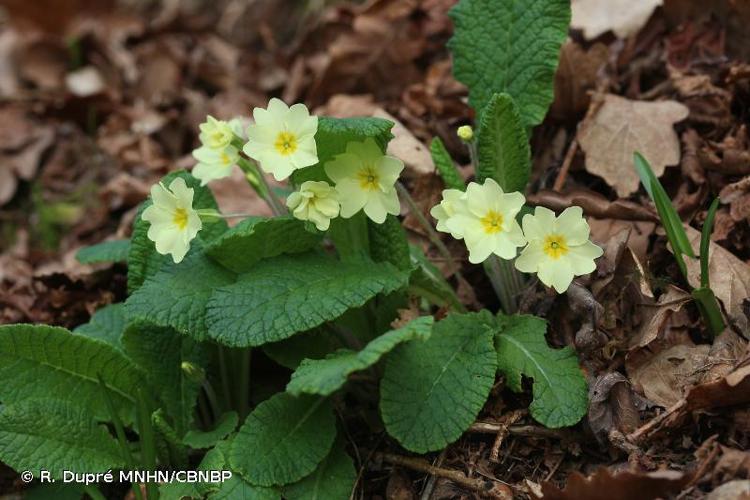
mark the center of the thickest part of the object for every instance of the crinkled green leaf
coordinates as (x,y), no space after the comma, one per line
(257,238)
(432,391)
(177,295)
(314,344)
(143,260)
(160,352)
(283,439)
(37,361)
(334,134)
(325,376)
(333,479)
(509,46)
(388,243)
(107,324)
(287,295)
(169,446)
(502,145)
(106,251)
(55,435)
(224,426)
(560,391)
(445,166)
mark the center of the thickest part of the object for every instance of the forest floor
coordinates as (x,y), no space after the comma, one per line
(102,99)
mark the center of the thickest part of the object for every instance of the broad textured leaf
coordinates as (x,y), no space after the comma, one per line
(432,391)
(177,295)
(160,351)
(143,260)
(286,295)
(313,344)
(333,136)
(325,376)
(107,324)
(283,439)
(107,251)
(255,239)
(333,479)
(169,446)
(509,46)
(388,243)
(38,360)
(55,435)
(445,166)
(560,391)
(502,145)
(206,439)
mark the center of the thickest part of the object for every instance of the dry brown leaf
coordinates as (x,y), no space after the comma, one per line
(618,486)
(739,489)
(623,17)
(733,389)
(664,377)
(620,128)
(576,75)
(594,205)
(729,276)
(660,313)
(737,195)
(611,406)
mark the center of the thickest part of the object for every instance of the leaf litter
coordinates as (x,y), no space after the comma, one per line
(106,99)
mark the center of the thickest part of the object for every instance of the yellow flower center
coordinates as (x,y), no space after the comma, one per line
(368,178)
(492,222)
(180,218)
(286,143)
(224,159)
(555,246)
(217,137)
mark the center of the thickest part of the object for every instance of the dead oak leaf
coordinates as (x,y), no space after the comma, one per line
(621,127)
(618,486)
(664,376)
(623,17)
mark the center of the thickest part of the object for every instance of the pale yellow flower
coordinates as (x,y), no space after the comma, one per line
(216,134)
(365,179)
(174,222)
(559,248)
(282,139)
(487,221)
(315,201)
(452,200)
(214,163)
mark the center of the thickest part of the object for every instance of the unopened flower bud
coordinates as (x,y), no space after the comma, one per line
(465,133)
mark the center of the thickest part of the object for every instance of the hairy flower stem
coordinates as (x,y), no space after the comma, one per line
(433,236)
(258,182)
(505,281)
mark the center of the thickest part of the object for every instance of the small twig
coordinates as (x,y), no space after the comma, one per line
(562,176)
(430,486)
(520,430)
(483,487)
(652,425)
(507,421)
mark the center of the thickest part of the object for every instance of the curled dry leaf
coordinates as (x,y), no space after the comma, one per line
(733,389)
(730,279)
(611,406)
(623,17)
(576,75)
(621,127)
(737,195)
(593,204)
(658,315)
(618,486)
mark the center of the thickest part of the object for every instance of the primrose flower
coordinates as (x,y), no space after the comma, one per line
(315,201)
(174,222)
(559,247)
(452,200)
(216,134)
(365,179)
(214,163)
(486,220)
(282,139)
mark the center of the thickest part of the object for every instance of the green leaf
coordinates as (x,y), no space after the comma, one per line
(143,260)
(224,426)
(38,360)
(314,344)
(55,435)
(502,145)
(667,213)
(388,243)
(169,446)
(257,238)
(287,295)
(325,376)
(177,295)
(708,226)
(334,134)
(160,351)
(509,46)
(432,391)
(560,392)
(107,251)
(107,324)
(333,479)
(445,166)
(428,282)
(283,439)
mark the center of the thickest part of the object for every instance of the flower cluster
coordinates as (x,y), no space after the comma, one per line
(556,248)
(281,141)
